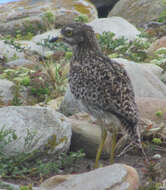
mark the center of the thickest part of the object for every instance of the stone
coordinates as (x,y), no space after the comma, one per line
(36,45)
(6,92)
(145,82)
(46,35)
(31,46)
(19,62)
(117,25)
(145,79)
(69,105)
(159,43)
(86,135)
(136,11)
(163,77)
(148,108)
(113,177)
(36,128)
(55,103)
(9,52)
(154,69)
(156,157)
(39,16)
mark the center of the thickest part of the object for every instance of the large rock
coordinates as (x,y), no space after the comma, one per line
(114,177)
(37,44)
(9,52)
(149,107)
(6,91)
(159,43)
(36,128)
(35,47)
(38,16)
(46,35)
(145,79)
(101,3)
(19,62)
(86,135)
(117,25)
(135,11)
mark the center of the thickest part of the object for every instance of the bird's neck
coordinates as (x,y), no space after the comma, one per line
(85,50)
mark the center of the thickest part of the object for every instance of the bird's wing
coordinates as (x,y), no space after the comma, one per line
(112,91)
(119,93)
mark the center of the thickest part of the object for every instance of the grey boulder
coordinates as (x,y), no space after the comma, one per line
(36,129)
(117,25)
(114,177)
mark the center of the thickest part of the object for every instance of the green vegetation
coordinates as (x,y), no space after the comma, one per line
(26,187)
(49,20)
(159,113)
(157,141)
(81,18)
(152,172)
(162,16)
(121,47)
(28,164)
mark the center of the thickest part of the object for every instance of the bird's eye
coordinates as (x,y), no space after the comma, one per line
(69,33)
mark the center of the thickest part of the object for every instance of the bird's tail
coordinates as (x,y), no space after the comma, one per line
(133,130)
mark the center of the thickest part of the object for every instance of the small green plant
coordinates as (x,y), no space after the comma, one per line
(16,101)
(27,164)
(55,46)
(27,187)
(25,81)
(12,42)
(151,186)
(152,171)
(55,76)
(153,174)
(39,84)
(81,18)
(159,113)
(6,137)
(108,43)
(20,36)
(49,19)
(134,50)
(68,55)
(157,141)
(162,16)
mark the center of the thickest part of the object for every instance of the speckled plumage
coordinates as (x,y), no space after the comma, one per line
(98,83)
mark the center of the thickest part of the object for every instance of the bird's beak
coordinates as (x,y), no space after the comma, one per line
(56,39)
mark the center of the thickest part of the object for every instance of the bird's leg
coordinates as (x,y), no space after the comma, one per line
(101,145)
(113,144)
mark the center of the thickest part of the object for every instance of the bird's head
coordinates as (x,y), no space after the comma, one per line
(76,34)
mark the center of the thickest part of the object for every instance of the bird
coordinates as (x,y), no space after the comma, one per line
(100,85)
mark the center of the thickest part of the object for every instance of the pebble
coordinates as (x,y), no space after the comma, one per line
(157,157)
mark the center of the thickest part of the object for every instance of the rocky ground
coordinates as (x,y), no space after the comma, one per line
(43,135)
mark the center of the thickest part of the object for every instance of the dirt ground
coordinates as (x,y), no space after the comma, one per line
(131,158)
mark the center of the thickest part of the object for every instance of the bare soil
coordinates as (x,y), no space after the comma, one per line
(132,158)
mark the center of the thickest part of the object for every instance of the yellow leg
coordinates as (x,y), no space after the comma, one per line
(100,148)
(113,144)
